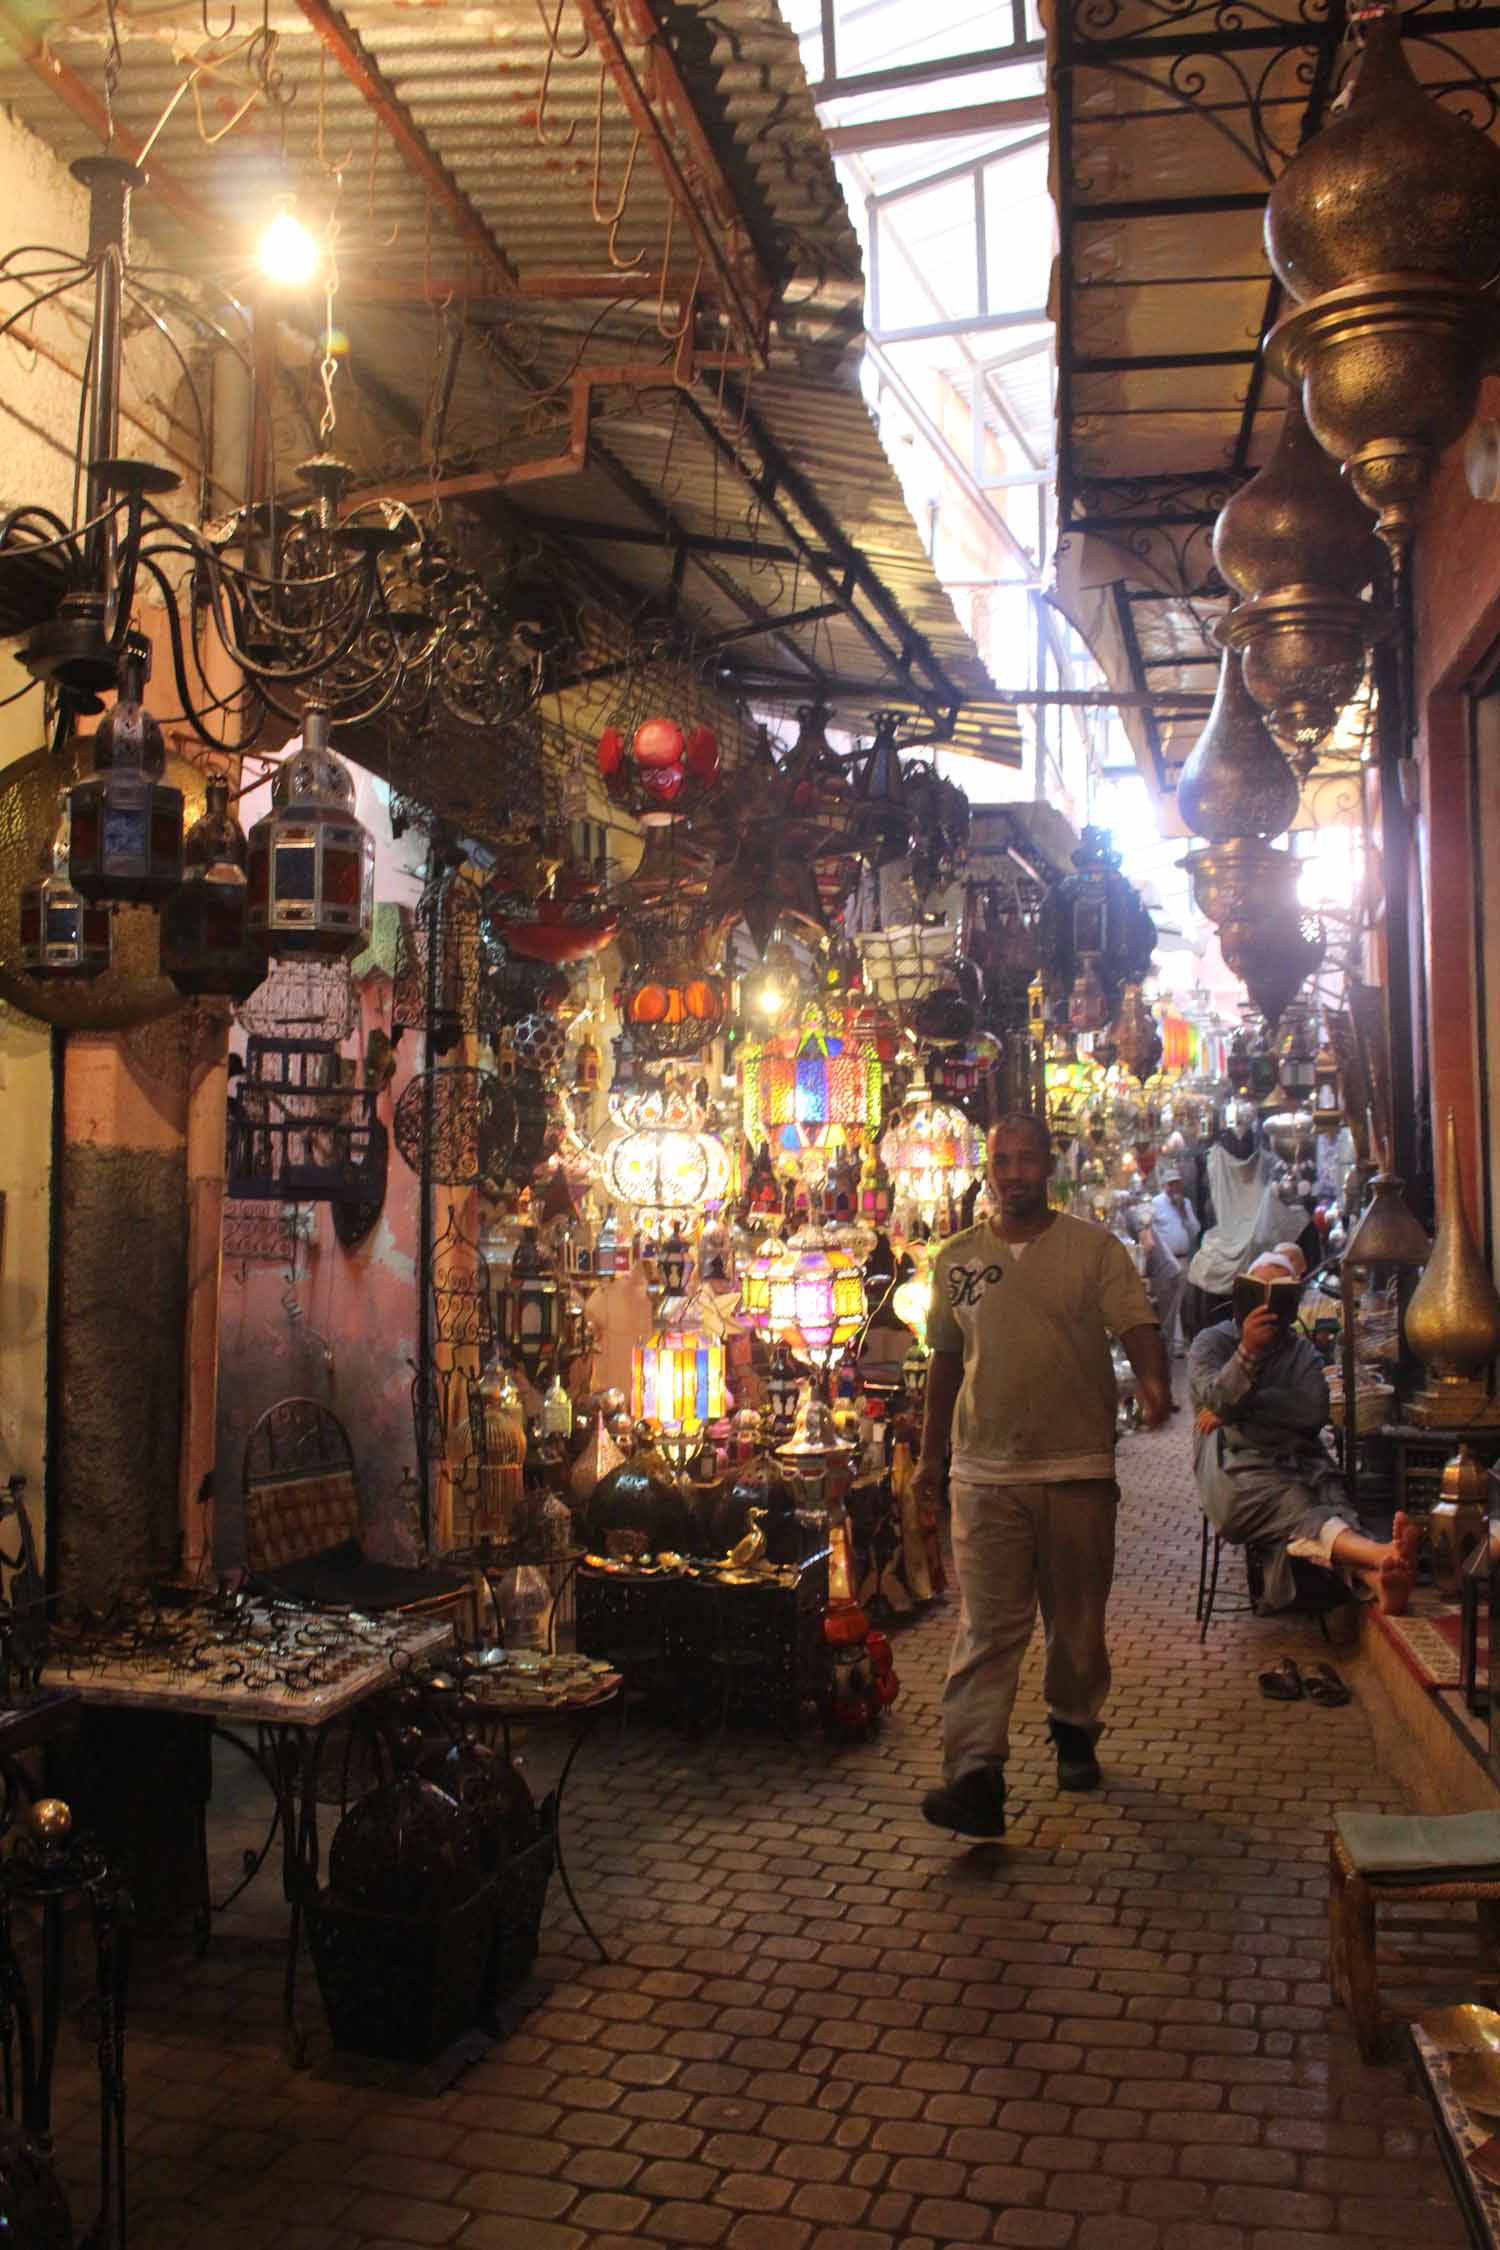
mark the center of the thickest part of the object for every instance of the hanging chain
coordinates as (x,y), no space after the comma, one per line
(330,366)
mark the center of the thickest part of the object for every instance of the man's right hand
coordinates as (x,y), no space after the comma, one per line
(927,1483)
(1259,1332)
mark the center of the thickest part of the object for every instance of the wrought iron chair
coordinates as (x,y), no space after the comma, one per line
(302,1522)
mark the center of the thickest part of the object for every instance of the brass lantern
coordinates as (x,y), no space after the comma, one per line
(206,945)
(1236,783)
(1386,228)
(311,863)
(1297,545)
(1248,890)
(62,935)
(126,822)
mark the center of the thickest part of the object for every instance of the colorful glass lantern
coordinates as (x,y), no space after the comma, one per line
(660,770)
(817,1298)
(677,1381)
(664,1160)
(126,837)
(911,1302)
(205,938)
(311,863)
(62,935)
(827,1079)
(755,1286)
(932,1153)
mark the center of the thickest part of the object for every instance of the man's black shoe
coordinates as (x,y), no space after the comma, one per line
(974,1805)
(1077,1766)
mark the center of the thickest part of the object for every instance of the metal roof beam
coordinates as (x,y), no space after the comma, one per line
(938,125)
(417,152)
(841,567)
(981,324)
(1165,207)
(747,290)
(835,88)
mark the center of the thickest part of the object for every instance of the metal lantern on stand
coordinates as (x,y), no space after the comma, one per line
(61,934)
(530,1308)
(126,822)
(206,947)
(311,862)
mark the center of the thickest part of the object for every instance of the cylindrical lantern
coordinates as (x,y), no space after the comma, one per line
(62,935)
(126,840)
(677,1381)
(206,945)
(311,863)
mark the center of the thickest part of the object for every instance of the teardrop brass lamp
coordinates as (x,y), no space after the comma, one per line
(1388,1232)
(1386,227)
(1248,890)
(1297,545)
(1453,1320)
(1236,782)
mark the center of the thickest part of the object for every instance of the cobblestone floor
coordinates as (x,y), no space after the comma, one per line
(826,2027)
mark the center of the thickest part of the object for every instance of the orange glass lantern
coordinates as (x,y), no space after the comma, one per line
(672,1012)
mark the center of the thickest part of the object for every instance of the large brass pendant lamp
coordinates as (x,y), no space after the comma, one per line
(1298,547)
(1237,791)
(1386,228)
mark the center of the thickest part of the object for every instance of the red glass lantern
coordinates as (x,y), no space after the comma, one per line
(126,822)
(310,861)
(659,769)
(206,945)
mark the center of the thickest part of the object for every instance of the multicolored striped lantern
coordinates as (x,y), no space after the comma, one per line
(677,1381)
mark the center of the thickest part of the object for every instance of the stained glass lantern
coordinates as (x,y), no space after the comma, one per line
(816,1298)
(677,1383)
(755,1286)
(933,1153)
(660,771)
(530,1308)
(62,935)
(126,839)
(311,862)
(206,945)
(829,1079)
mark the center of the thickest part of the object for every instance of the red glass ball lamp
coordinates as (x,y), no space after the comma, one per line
(659,770)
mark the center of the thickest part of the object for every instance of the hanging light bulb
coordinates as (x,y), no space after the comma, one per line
(287,253)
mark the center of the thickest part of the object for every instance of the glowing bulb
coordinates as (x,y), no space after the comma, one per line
(288,253)
(769,999)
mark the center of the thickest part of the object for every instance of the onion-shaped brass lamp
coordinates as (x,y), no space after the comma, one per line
(1248,890)
(1297,545)
(1236,783)
(1453,1320)
(1386,228)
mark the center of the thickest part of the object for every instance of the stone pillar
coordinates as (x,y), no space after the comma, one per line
(119,1322)
(206,1125)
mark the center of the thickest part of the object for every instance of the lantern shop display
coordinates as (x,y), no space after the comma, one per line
(61,934)
(933,1154)
(814,1297)
(310,861)
(125,820)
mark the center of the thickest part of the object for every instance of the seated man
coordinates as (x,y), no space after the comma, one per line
(1263,1474)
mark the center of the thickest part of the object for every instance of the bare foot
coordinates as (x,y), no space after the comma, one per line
(1405,1540)
(1394,1581)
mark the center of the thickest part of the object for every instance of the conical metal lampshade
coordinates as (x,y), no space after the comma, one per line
(1389,1232)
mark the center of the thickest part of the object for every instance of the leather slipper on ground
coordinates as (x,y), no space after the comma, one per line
(1283,1683)
(1323,1686)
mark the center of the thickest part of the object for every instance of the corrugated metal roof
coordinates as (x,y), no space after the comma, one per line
(539,143)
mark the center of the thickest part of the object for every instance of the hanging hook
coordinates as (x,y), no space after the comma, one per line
(612,219)
(554,49)
(208,30)
(348,156)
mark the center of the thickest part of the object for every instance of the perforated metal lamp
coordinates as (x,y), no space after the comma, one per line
(126,822)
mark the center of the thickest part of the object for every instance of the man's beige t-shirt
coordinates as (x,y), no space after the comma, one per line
(1032,1321)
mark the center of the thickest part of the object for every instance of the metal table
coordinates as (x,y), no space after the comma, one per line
(505,1711)
(293,1728)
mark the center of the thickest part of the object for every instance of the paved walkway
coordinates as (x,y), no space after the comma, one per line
(826,2027)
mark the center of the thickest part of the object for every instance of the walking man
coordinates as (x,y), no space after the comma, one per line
(1175,1225)
(1023,1307)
